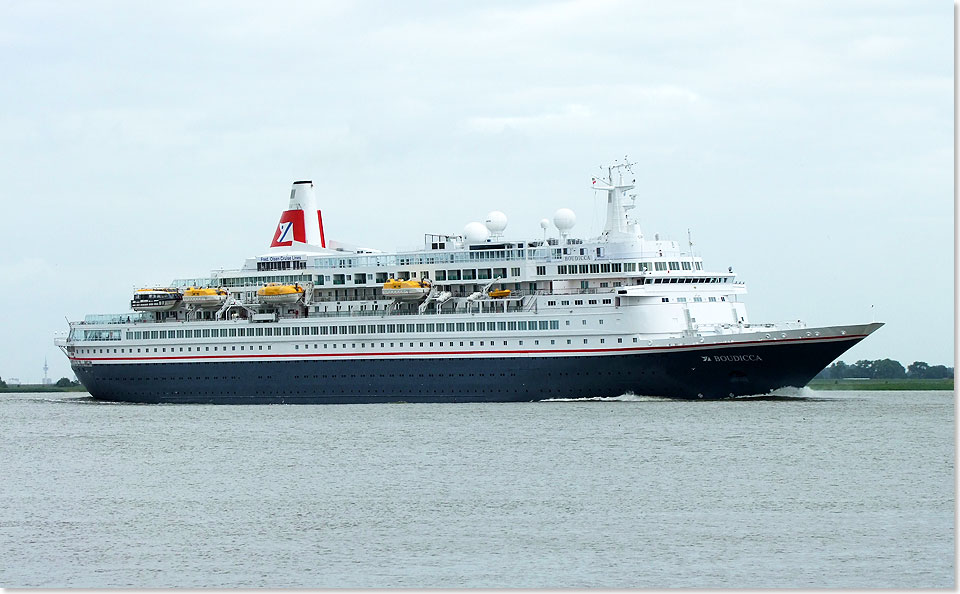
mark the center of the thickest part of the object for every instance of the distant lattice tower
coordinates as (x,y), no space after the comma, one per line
(46,368)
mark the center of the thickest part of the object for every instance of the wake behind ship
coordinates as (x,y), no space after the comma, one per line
(473,317)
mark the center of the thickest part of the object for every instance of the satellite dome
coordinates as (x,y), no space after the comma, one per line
(564,219)
(544,223)
(496,222)
(475,232)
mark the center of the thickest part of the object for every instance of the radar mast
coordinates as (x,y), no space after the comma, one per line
(619,226)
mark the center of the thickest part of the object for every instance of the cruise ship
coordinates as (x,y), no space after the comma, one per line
(475,317)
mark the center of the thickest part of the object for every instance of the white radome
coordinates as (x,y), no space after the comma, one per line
(564,219)
(496,222)
(544,223)
(475,232)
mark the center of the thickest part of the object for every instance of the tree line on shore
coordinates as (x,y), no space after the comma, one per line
(60,383)
(885,369)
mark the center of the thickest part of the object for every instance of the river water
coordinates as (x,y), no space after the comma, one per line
(812,489)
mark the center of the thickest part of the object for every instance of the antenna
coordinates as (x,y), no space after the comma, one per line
(619,167)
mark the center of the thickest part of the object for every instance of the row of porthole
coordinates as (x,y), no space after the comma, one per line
(354,362)
(286,393)
(784,335)
(402,375)
(81,351)
(381,375)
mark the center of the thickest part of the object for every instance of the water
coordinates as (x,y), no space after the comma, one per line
(819,489)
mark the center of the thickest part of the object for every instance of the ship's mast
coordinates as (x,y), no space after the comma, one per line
(618,225)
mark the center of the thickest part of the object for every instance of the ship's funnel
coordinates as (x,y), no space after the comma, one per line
(302,221)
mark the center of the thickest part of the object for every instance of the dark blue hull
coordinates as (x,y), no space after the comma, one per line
(708,372)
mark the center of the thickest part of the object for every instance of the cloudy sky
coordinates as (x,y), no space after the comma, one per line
(807,144)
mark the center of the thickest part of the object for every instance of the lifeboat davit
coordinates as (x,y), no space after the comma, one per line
(155,299)
(279,293)
(406,289)
(204,297)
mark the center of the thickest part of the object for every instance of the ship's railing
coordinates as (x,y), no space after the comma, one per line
(123,318)
(386,313)
(798,325)
(77,334)
(456,294)
(136,318)
(183,283)
(738,328)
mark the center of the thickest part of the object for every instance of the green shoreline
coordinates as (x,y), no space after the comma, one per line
(29,388)
(817,384)
(881,384)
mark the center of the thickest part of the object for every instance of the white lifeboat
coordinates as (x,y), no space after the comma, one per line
(155,299)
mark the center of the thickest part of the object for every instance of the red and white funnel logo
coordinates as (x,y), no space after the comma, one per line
(289,229)
(298,222)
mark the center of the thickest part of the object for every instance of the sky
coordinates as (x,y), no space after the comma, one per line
(809,145)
